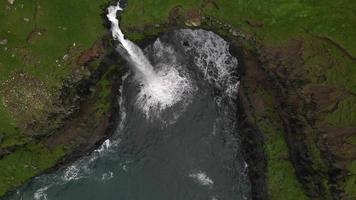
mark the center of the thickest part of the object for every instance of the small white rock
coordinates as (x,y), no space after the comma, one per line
(3,42)
(26,19)
(65,57)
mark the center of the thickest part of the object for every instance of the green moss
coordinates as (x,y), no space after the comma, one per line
(152,11)
(58,21)
(350,183)
(101,97)
(25,163)
(61,24)
(345,114)
(282,19)
(281,178)
(9,133)
(343,71)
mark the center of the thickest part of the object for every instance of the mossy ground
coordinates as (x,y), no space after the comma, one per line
(26,162)
(38,33)
(280,20)
(40,39)
(282,182)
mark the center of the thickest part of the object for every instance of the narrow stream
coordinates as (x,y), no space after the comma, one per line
(178,137)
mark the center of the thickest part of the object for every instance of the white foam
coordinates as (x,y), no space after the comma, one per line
(104,146)
(202,178)
(107,176)
(40,194)
(71,173)
(213,59)
(161,88)
(166,91)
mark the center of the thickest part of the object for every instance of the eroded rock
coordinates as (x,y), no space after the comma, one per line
(193,18)
(11,1)
(3,42)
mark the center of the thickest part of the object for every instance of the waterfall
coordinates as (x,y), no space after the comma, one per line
(162,86)
(134,53)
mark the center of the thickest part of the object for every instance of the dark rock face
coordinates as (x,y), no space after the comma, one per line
(252,138)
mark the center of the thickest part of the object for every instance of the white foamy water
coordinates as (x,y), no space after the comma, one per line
(202,178)
(213,58)
(40,194)
(162,86)
(171,87)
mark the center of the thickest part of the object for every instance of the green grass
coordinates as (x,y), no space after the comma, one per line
(142,12)
(350,183)
(25,163)
(101,97)
(343,73)
(345,114)
(81,20)
(281,180)
(63,23)
(282,183)
(282,19)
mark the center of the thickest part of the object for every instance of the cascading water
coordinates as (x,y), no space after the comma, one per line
(189,79)
(160,89)
(135,54)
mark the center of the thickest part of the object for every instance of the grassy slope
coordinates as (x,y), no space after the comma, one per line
(61,23)
(282,20)
(27,162)
(78,17)
(280,171)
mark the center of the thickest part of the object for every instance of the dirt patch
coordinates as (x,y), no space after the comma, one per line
(325,97)
(35,33)
(207,3)
(26,56)
(254,23)
(193,18)
(337,140)
(94,52)
(175,14)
